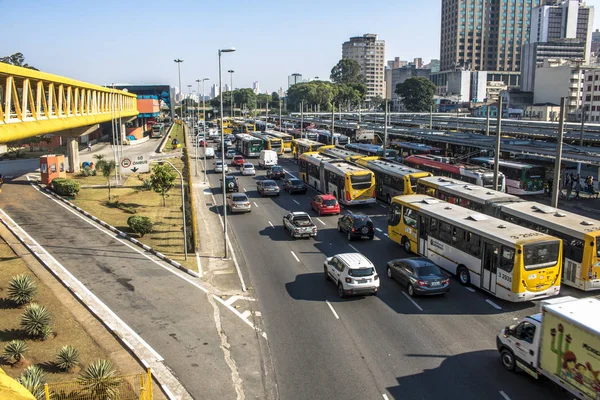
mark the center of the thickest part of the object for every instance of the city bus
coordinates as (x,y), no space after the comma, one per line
(511,262)
(324,136)
(270,143)
(340,152)
(520,178)
(372,150)
(349,183)
(305,134)
(300,146)
(248,145)
(158,130)
(580,235)
(392,178)
(406,149)
(475,174)
(286,140)
(250,126)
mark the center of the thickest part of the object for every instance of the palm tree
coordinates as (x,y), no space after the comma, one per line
(107,168)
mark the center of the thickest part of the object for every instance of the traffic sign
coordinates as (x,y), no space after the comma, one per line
(137,164)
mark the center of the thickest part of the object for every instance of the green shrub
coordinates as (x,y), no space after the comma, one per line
(87,171)
(67,358)
(140,224)
(147,184)
(35,320)
(65,187)
(101,380)
(33,379)
(22,289)
(15,350)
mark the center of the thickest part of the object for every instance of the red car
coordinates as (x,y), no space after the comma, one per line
(237,160)
(325,204)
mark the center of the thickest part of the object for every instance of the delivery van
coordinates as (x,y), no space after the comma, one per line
(267,158)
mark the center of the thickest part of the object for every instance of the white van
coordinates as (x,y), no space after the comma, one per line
(208,151)
(267,158)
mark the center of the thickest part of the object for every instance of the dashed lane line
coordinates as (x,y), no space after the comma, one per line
(319,219)
(332,309)
(295,256)
(504,395)
(470,289)
(412,301)
(385,397)
(354,248)
(378,230)
(295,201)
(382,206)
(255,205)
(491,303)
(271,224)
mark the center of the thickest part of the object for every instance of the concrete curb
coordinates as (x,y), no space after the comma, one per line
(164,140)
(121,234)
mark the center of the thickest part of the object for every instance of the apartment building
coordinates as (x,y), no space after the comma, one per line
(369,53)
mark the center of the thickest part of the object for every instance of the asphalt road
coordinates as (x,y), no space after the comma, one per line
(389,346)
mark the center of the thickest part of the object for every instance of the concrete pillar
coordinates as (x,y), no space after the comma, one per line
(73,154)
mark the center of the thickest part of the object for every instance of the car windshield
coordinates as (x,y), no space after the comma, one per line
(269,183)
(362,221)
(248,166)
(303,221)
(295,182)
(239,197)
(360,272)
(231,151)
(218,163)
(331,202)
(427,269)
(276,168)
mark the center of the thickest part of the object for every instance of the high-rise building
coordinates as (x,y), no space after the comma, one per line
(294,78)
(256,87)
(214,91)
(369,53)
(484,35)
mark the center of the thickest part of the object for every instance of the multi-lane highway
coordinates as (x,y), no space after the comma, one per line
(385,346)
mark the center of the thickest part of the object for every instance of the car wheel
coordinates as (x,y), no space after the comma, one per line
(375,292)
(341,291)
(339,228)
(406,244)
(463,275)
(508,359)
(411,290)
(327,278)
(388,272)
(349,237)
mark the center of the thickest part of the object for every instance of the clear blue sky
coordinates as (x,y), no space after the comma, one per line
(136,41)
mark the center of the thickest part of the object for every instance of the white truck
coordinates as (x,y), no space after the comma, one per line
(561,343)
(299,224)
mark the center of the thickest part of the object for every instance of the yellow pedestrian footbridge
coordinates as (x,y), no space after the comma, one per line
(35,103)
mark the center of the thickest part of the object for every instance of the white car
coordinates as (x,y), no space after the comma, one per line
(219,166)
(353,273)
(247,169)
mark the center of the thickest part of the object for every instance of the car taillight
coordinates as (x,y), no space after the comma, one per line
(348,280)
(348,196)
(353,230)
(247,204)
(446,281)
(422,283)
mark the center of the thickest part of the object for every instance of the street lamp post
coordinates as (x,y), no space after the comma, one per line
(182,205)
(231,90)
(225,251)
(203,127)
(179,61)
(190,99)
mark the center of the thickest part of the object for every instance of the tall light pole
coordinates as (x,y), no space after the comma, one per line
(225,251)
(182,205)
(203,127)
(189,99)
(231,90)
(179,61)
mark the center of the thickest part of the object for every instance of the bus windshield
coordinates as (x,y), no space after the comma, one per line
(540,255)
(360,181)
(535,172)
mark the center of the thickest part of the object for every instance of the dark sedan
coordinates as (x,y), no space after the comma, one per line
(294,186)
(420,276)
(276,172)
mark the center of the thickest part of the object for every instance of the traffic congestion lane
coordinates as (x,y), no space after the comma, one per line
(364,317)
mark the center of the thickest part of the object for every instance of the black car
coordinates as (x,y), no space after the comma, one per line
(295,186)
(231,184)
(419,274)
(356,226)
(267,188)
(276,172)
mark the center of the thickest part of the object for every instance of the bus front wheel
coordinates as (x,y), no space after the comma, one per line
(406,244)
(463,275)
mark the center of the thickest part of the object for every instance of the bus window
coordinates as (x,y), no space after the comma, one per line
(394,215)
(535,173)
(361,181)
(573,249)
(507,261)
(433,228)
(445,232)
(410,217)
(540,255)
(473,244)
(597,248)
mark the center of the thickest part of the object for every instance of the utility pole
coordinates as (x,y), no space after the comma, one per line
(431,117)
(497,151)
(487,121)
(332,120)
(385,129)
(280,127)
(301,118)
(581,136)
(557,161)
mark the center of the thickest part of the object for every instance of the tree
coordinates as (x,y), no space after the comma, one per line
(347,71)
(140,224)
(275,97)
(245,97)
(17,59)
(262,99)
(107,168)
(416,93)
(163,180)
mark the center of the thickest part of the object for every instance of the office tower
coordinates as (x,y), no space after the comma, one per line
(369,53)
(294,78)
(256,87)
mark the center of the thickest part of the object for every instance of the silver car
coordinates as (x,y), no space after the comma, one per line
(238,202)
(219,166)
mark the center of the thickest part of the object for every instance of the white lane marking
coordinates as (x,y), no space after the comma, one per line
(354,248)
(382,206)
(296,202)
(412,301)
(378,230)
(496,306)
(385,234)
(332,309)
(271,224)
(255,205)
(295,256)
(199,265)
(385,397)
(470,289)
(504,395)
(319,219)
(245,190)
(246,313)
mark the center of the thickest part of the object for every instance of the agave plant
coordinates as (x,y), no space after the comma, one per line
(22,289)
(67,358)
(35,320)
(101,380)
(15,349)
(33,379)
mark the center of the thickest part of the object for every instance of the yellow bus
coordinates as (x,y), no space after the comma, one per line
(270,143)
(286,139)
(340,152)
(349,183)
(301,146)
(580,235)
(509,261)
